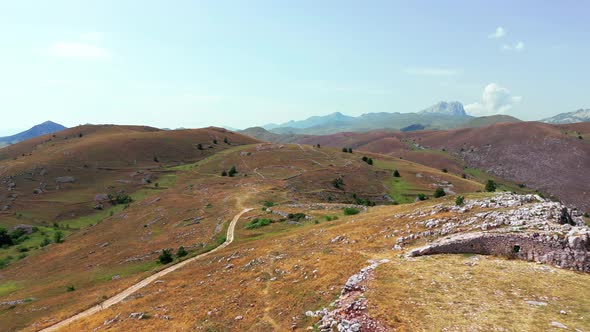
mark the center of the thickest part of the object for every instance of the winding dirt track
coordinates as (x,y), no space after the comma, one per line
(122,295)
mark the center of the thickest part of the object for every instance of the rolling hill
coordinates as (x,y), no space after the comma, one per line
(310,225)
(546,157)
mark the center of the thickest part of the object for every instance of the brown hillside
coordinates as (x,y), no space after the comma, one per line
(550,158)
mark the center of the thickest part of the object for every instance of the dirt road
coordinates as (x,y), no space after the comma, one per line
(122,295)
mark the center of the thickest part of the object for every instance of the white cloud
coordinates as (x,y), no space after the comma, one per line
(518,47)
(494,100)
(425,71)
(499,33)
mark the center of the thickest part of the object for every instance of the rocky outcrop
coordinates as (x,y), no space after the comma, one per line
(523,226)
(350,309)
(572,252)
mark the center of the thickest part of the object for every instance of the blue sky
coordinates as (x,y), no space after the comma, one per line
(244,63)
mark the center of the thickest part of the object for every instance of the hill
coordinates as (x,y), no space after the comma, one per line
(581,115)
(483,121)
(46,127)
(541,156)
(180,200)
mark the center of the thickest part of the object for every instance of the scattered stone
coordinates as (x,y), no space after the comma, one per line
(537,303)
(558,325)
(137,315)
(65,179)
(239,318)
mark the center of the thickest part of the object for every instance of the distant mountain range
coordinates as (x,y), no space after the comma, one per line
(44,128)
(443,115)
(581,115)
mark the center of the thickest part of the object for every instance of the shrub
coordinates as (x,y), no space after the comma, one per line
(338,183)
(268,204)
(445,170)
(521,185)
(586,215)
(156,159)
(181,252)
(464,176)
(349,150)
(370,161)
(70,288)
(296,216)
(330,218)
(46,241)
(258,222)
(165,256)
(58,237)
(459,200)
(200,146)
(422,197)
(5,239)
(224,173)
(491,186)
(439,192)
(396,174)
(225,140)
(364,158)
(318,146)
(214,141)
(120,198)
(580,137)
(349,211)
(344,149)
(232,171)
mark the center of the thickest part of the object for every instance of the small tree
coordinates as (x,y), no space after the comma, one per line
(214,141)
(439,192)
(459,200)
(224,173)
(232,171)
(344,149)
(349,150)
(318,146)
(370,161)
(225,140)
(58,237)
(445,170)
(491,186)
(200,146)
(5,239)
(181,252)
(338,183)
(396,174)
(364,158)
(422,197)
(165,256)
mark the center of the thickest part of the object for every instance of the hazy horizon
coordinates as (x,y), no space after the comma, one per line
(251,63)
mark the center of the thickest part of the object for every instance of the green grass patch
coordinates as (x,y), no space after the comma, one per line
(349,211)
(106,274)
(257,223)
(9,287)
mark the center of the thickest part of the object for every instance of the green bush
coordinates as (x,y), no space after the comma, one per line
(491,186)
(232,171)
(70,288)
(349,211)
(166,256)
(439,192)
(58,237)
(5,238)
(268,204)
(46,241)
(120,198)
(224,173)
(338,183)
(181,252)
(422,197)
(258,222)
(459,200)
(296,216)
(445,170)
(396,174)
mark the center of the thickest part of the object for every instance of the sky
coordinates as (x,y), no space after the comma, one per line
(193,64)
